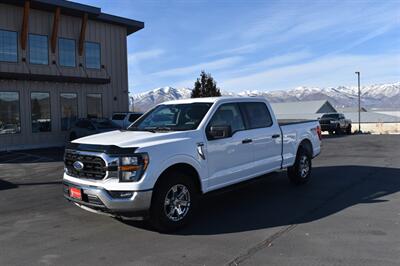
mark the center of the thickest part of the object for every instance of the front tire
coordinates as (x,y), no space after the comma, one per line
(300,172)
(175,199)
(348,130)
(338,130)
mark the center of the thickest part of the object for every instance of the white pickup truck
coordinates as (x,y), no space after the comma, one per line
(160,166)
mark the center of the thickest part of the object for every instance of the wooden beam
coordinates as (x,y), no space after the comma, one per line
(25,24)
(52,78)
(82,35)
(54,33)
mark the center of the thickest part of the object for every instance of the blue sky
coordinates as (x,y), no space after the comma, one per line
(263,45)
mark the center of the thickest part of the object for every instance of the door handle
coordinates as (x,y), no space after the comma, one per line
(247,141)
(276,136)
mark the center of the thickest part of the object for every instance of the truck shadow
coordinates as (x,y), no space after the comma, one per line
(32,156)
(334,136)
(4,185)
(270,201)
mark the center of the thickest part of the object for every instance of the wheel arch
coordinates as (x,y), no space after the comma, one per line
(307,145)
(185,168)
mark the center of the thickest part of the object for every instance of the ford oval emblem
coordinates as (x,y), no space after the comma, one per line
(78,165)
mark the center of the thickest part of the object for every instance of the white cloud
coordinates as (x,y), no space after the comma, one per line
(206,66)
(247,48)
(145,55)
(282,59)
(325,71)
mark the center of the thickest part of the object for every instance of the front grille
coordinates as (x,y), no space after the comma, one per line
(324,122)
(94,167)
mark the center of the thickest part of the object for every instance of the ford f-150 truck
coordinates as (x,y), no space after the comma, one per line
(160,166)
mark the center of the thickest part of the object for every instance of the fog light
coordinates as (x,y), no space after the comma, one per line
(121,194)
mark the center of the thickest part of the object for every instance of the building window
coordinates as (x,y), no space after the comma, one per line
(38,49)
(66,52)
(10,121)
(92,55)
(8,46)
(69,110)
(94,105)
(40,112)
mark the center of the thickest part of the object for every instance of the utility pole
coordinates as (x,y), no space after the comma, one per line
(359,102)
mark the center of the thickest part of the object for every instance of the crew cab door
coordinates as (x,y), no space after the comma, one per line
(265,134)
(228,158)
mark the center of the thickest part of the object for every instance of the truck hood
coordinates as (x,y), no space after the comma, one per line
(125,139)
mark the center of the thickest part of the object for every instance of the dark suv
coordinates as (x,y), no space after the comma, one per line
(85,127)
(335,123)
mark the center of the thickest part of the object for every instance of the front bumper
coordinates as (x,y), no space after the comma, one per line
(99,199)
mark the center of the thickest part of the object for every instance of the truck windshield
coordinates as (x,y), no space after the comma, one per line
(330,116)
(172,117)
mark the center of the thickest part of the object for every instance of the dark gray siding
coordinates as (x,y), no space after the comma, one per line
(113,55)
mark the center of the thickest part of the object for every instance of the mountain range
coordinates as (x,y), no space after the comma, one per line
(373,96)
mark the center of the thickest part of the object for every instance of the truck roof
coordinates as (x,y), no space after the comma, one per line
(216,99)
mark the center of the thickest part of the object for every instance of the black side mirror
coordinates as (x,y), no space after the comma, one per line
(219,132)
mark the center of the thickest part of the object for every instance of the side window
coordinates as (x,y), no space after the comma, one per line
(257,114)
(228,115)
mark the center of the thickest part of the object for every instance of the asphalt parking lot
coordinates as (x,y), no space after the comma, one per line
(349,214)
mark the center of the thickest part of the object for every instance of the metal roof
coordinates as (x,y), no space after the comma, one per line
(372,117)
(351,109)
(303,107)
(77,10)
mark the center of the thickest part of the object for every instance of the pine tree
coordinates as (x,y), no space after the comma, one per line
(205,86)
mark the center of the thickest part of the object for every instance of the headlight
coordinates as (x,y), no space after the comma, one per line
(333,122)
(131,168)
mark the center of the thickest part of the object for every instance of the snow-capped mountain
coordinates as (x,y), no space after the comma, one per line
(146,100)
(374,96)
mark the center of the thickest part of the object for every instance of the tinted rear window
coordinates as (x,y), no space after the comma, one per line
(330,116)
(83,124)
(106,124)
(257,114)
(134,117)
(118,117)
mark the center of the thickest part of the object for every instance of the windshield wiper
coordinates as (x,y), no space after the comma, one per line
(158,128)
(138,129)
(151,129)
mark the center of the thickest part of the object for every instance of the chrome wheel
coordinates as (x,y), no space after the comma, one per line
(304,166)
(177,202)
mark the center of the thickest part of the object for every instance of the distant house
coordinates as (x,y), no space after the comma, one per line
(351,110)
(302,110)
